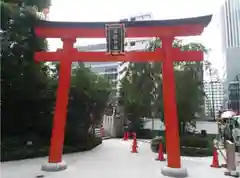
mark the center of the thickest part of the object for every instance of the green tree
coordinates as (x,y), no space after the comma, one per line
(29,89)
(40,5)
(189,81)
(88,97)
(136,92)
(142,86)
(25,84)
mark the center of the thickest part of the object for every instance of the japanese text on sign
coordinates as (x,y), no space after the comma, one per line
(115,35)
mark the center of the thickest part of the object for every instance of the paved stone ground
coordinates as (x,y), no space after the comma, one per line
(111,159)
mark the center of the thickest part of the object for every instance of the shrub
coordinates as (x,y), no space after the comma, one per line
(23,151)
(149,134)
(189,145)
(195,145)
(145,134)
(155,144)
(194,141)
(195,152)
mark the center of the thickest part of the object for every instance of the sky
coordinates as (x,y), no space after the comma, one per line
(112,10)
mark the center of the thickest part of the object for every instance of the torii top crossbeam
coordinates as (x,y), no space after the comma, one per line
(176,27)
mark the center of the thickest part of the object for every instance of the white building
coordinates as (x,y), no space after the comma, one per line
(214,98)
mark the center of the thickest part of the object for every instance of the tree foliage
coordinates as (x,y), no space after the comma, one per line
(29,88)
(87,100)
(141,92)
(24,83)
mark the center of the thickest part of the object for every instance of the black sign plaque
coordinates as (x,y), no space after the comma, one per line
(115,35)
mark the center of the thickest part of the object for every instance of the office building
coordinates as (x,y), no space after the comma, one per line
(214,97)
(230,32)
(225,55)
(230,28)
(234,96)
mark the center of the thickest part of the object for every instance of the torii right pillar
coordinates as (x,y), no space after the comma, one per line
(171,55)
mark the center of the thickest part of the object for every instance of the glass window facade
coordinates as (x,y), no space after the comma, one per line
(234,96)
(214,99)
(232,23)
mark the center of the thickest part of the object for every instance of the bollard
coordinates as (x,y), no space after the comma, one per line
(231,160)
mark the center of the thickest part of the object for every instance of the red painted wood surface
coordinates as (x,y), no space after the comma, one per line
(157,55)
(185,30)
(59,120)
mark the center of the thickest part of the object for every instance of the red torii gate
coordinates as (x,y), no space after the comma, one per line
(166,30)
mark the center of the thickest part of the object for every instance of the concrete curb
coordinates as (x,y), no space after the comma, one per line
(106,138)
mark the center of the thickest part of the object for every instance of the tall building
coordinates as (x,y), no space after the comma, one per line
(230,28)
(230,31)
(226,47)
(230,15)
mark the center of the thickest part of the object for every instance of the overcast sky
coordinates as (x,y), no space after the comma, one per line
(114,10)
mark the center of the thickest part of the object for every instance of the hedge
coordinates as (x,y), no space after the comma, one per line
(196,145)
(149,134)
(9,153)
(195,152)
(155,144)
(146,134)
(190,145)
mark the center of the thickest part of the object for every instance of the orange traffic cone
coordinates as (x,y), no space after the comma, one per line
(134,144)
(102,131)
(127,134)
(215,161)
(125,137)
(160,153)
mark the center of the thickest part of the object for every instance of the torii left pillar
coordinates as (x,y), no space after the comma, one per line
(55,162)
